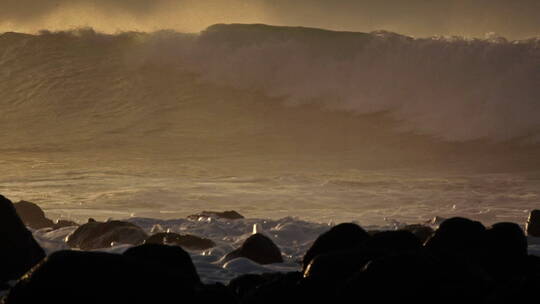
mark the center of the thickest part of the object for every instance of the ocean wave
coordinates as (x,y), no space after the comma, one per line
(451,88)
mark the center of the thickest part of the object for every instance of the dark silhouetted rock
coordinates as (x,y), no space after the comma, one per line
(216,293)
(506,251)
(19,251)
(259,249)
(98,277)
(277,288)
(95,235)
(327,272)
(393,242)
(533,224)
(169,258)
(185,241)
(397,279)
(229,215)
(520,289)
(246,283)
(266,287)
(422,232)
(508,239)
(335,267)
(373,232)
(457,237)
(343,237)
(32,215)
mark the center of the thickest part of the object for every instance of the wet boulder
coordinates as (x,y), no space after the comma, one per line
(505,246)
(403,278)
(258,248)
(533,224)
(393,242)
(19,251)
(343,237)
(229,215)
(171,259)
(327,273)
(63,223)
(457,237)
(334,267)
(83,277)
(96,235)
(186,241)
(32,215)
(506,239)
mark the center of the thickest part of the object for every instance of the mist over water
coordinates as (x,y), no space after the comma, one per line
(336,125)
(419,18)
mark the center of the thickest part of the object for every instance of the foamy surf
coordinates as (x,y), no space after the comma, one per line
(292,235)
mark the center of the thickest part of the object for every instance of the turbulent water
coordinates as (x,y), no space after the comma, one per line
(272,122)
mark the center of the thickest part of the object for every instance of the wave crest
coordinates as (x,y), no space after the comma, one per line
(452,88)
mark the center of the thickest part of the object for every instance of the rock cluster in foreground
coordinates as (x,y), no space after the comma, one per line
(461,262)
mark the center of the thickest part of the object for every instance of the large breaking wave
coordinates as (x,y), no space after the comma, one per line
(453,88)
(272,121)
(87,84)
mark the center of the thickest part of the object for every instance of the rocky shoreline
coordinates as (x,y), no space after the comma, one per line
(460,260)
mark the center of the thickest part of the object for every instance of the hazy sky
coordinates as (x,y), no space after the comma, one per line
(510,18)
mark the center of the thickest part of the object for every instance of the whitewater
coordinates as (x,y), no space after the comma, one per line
(296,128)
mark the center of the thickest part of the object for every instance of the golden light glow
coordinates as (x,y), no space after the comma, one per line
(415,17)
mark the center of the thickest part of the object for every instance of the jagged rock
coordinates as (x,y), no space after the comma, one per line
(185,241)
(257,248)
(82,277)
(32,215)
(19,251)
(95,235)
(533,223)
(229,215)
